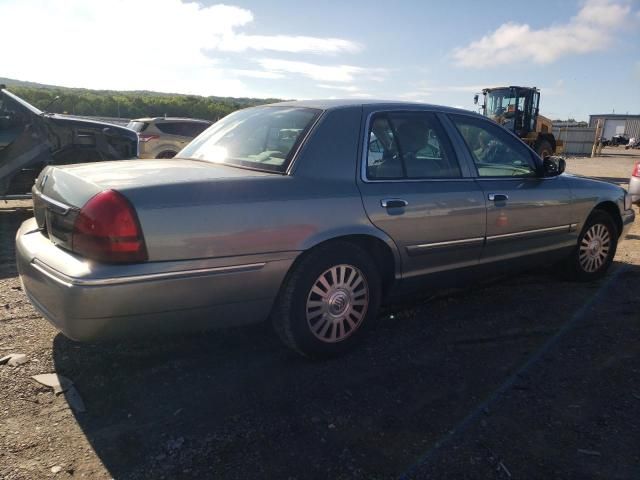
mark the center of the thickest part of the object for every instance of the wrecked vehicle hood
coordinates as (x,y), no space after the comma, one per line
(31,139)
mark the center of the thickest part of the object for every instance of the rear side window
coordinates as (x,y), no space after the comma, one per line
(193,129)
(495,152)
(183,129)
(170,128)
(409,145)
(137,126)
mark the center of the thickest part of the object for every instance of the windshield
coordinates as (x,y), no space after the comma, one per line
(263,138)
(501,102)
(505,107)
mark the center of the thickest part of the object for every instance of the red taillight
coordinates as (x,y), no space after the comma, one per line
(636,170)
(144,138)
(107,230)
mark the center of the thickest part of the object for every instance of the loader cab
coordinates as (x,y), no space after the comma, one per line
(515,108)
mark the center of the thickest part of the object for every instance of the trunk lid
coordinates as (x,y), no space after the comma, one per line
(60,192)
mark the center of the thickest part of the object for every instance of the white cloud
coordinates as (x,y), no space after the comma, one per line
(255,73)
(352,91)
(422,93)
(164,45)
(590,30)
(344,88)
(414,96)
(322,73)
(458,88)
(286,43)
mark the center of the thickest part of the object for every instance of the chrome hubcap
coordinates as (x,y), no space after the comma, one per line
(594,248)
(337,303)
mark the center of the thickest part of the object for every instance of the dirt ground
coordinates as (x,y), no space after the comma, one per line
(525,377)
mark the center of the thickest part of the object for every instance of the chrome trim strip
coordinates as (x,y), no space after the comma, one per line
(524,233)
(71,281)
(51,202)
(295,156)
(528,179)
(421,180)
(417,249)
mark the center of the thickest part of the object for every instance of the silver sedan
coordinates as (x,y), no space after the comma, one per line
(309,214)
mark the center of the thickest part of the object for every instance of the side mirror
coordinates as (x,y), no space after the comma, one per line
(475,99)
(553,166)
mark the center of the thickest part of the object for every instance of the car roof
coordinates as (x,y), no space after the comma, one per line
(333,104)
(170,119)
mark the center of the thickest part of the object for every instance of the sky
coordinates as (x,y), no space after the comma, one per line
(584,55)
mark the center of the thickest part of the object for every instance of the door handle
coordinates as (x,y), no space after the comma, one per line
(393,203)
(498,197)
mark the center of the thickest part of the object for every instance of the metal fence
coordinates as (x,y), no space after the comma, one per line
(632,128)
(577,141)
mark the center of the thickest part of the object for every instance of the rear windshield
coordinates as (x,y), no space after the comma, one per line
(137,126)
(263,138)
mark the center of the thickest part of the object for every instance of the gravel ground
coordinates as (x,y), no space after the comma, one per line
(525,377)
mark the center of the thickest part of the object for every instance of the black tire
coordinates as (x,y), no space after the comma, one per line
(290,311)
(576,267)
(544,148)
(166,154)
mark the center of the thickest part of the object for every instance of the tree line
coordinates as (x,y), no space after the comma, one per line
(131,104)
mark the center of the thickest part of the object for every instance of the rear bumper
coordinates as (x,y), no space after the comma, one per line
(89,301)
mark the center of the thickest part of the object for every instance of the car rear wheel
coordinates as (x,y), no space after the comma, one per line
(596,248)
(328,301)
(166,154)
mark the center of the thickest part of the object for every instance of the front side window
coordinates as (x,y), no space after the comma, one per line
(409,145)
(495,153)
(263,138)
(171,128)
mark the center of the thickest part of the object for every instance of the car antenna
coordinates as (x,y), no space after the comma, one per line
(55,99)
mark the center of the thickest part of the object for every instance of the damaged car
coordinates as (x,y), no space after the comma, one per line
(31,139)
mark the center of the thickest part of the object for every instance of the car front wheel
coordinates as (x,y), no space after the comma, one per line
(596,247)
(328,301)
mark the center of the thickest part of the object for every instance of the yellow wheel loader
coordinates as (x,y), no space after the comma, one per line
(517,109)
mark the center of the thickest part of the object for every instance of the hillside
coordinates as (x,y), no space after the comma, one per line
(127,104)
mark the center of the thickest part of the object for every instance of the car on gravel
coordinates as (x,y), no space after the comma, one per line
(31,139)
(163,137)
(310,214)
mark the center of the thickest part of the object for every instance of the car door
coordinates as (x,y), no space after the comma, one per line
(526,212)
(415,188)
